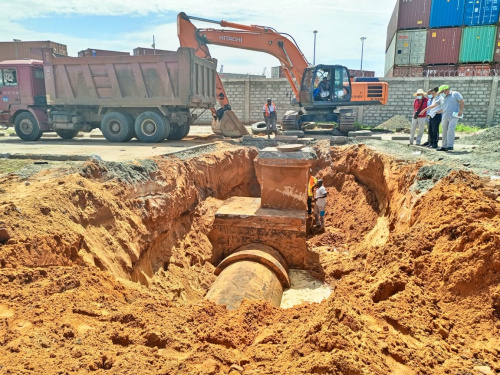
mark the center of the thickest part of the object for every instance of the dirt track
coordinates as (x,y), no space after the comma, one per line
(106,270)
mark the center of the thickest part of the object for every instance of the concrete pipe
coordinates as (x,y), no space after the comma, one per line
(254,272)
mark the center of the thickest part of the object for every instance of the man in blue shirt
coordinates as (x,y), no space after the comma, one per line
(452,105)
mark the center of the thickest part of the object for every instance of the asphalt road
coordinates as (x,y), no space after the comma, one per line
(80,148)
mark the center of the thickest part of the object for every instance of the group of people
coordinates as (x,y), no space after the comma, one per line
(437,106)
(317,193)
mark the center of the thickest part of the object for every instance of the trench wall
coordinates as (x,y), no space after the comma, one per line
(481,94)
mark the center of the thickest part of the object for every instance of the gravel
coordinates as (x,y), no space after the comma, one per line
(395,124)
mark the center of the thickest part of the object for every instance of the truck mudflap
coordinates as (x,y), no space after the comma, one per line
(230,125)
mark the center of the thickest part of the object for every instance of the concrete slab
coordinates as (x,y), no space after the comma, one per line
(242,221)
(358,138)
(359,133)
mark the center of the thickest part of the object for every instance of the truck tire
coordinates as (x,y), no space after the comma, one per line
(151,127)
(27,128)
(131,124)
(178,132)
(259,128)
(117,127)
(67,134)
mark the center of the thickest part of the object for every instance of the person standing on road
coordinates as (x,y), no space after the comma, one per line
(452,105)
(270,116)
(319,208)
(310,188)
(434,114)
(418,117)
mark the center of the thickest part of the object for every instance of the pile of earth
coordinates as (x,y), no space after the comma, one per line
(395,124)
(105,271)
(486,136)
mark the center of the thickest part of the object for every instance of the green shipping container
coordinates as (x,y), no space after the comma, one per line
(478,44)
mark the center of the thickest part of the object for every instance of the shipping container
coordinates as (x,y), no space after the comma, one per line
(18,50)
(447,13)
(474,70)
(407,15)
(140,51)
(410,47)
(478,44)
(361,73)
(496,55)
(392,26)
(406,71)
(277,72)
(443,46)
(389,56)
(101,52)
(440,71)
(481,12)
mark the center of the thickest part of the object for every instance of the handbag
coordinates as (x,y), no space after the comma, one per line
(415,116)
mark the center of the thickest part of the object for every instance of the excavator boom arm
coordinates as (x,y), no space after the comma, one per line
(255,38)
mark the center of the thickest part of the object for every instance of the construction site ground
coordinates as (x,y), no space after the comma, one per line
(105,260)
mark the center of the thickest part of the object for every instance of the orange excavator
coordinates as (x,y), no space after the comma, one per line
(319,90)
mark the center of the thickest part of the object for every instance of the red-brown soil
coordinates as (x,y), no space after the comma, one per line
(106,270)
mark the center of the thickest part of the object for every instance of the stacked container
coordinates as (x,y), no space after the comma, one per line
(458,33)
(407,48)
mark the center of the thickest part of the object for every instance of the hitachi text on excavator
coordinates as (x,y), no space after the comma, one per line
(315,102)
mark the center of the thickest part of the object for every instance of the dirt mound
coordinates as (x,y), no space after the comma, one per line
(106,271)
(395,124)
(489,135)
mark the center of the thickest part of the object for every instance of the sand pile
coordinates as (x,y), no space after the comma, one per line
(395,124)
(486,136)
(108,277)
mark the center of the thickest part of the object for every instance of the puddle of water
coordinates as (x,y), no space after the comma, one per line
(304,289)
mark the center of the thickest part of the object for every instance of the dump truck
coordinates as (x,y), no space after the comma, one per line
(151,97)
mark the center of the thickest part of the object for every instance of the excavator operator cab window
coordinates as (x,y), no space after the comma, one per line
(331,83)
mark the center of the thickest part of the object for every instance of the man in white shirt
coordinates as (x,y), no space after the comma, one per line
(319,209)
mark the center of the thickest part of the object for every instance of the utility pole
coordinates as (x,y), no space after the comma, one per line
(363,38)
(154,46)
(314,53)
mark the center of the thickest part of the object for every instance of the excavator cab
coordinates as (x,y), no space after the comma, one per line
(325,86)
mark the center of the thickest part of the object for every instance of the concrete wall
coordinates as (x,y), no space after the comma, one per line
(481,95)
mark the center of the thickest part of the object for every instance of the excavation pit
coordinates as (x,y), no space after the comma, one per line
(107,268)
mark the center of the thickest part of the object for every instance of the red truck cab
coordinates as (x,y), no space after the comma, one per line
(22,96)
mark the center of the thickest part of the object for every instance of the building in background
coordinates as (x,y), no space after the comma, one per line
(18,49)
(443,38)
(93,52)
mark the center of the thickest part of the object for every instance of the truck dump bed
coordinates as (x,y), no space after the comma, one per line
(176,78)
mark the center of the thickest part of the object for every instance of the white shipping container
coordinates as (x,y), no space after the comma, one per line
(389,56)
(410,47)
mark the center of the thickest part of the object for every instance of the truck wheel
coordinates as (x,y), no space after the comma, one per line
(131,124)
(151,127)
(178,132)
(27,127)
(67,134)
(117,127)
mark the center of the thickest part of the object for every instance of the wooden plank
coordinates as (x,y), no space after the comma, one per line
(114,81)
(89,81)
(139,81)
(165,79)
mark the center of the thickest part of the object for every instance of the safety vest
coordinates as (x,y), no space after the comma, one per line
(268,111)
(312,182)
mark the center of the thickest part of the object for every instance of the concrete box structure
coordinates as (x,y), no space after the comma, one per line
(284,177)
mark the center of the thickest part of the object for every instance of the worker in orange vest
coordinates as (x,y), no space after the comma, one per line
(310,187)
(270,116)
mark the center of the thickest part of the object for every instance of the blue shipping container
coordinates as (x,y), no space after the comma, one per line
(447,13)
(481,12)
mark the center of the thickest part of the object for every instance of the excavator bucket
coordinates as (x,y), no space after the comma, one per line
(230,126)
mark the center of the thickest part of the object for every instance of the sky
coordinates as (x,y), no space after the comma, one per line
(123,25)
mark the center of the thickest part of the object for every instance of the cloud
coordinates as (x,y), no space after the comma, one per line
(340,24)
